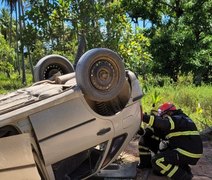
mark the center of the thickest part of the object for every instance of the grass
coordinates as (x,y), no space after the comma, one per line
(196,102)
(12,83)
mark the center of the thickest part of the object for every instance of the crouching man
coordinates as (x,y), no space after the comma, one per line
(183,145)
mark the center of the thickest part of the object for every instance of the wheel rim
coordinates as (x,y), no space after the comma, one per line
(51,70)
(103,74)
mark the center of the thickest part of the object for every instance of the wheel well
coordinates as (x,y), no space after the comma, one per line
(8,130)
(113,106)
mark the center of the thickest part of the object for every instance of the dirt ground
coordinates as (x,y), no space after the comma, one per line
(201,171)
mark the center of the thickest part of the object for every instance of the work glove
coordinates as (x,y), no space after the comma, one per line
(146,118)
(141,131)
(149,132)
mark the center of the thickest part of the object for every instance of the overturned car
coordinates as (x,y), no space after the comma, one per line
(71,123)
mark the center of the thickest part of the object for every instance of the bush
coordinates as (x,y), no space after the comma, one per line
(12,83)
(7,55)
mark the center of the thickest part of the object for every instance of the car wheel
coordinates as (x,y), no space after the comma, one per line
(100,74)
(50,65)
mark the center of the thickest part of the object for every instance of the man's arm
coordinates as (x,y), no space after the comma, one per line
(165,124)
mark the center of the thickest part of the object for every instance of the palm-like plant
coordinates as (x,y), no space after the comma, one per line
(4,23)
(11,4)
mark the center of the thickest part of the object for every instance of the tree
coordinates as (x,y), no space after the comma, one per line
(54,26)
(11,4)
(51,24)
(4,23)
(134,49)
(7,55)
(198,20)
(180,35)
(21,23)
(171,48)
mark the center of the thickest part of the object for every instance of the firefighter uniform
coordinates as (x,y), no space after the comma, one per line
(184,144)
(148,144)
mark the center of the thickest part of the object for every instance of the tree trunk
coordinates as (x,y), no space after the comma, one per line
(17,50)
(21,44)
(28,49)
(11,22)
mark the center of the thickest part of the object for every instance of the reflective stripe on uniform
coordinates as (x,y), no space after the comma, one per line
(151,120)
(142,147)
(171,123)
(155,137)
(188,154)
(145,153)
(173,171)
(162,166)
(182,133)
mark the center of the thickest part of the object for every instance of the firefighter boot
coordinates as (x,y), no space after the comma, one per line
(187,168)
(145,162)
(182,175)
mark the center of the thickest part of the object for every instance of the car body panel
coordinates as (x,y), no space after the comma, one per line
(69,141)
(16,158)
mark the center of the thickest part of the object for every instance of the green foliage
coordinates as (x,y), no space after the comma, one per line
(6,67)
(172,50)
(115,26)
(38,51)
(202,59)
(4,23)
(133,48)
(156,98)
(194,101)
(12,83)
(7,56)
(143,9)
(180,35)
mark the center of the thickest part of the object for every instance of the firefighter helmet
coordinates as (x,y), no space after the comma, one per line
(166,107)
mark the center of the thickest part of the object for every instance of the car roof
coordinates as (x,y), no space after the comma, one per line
(37,92)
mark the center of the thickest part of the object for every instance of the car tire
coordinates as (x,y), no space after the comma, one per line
(100,74)
(50,65)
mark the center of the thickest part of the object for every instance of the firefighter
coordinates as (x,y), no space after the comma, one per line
(181,143)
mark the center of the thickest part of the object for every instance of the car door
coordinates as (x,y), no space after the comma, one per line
(69,128)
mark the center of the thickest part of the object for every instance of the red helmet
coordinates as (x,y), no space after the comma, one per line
(165,107)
